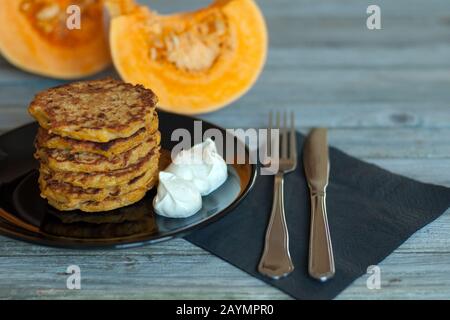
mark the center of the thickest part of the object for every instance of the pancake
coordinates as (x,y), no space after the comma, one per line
(108,149)
(104,179)
(64,160)
(110,203)
(72,195)
(97,110)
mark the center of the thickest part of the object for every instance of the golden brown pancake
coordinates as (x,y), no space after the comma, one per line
(97,110)
(104,179)
(108,149)
(110,203)
(64,160)
(64,192)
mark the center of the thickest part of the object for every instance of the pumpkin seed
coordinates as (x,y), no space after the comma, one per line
(48,12)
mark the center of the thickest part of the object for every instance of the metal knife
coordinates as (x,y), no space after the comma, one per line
(317,167)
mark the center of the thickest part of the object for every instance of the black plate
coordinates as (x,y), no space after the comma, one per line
(24,215)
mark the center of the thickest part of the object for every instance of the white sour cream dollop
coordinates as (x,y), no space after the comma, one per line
(202,165)
(193,173)
(176,197)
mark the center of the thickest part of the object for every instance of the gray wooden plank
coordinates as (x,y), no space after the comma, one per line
(414,9)
(347,57)
(406,277)
(160,271)
(140,278)
(426,170)
(392,143)
(301,59)
(308,85)
(292,86)
(382,115)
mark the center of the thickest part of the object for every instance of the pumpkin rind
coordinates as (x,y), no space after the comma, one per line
(75,54)
(182,84)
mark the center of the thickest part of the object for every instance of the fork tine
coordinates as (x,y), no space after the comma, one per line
(269,134)
(277,126)
(284,137)
(293,139)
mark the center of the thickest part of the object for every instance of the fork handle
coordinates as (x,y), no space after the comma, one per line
(321,261)
(276,261)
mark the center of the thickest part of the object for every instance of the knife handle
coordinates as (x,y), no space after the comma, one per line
(276,261)
(321,261)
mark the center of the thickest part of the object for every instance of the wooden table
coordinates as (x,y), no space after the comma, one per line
(384,95)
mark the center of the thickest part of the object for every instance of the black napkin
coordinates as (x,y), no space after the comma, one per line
(370,211)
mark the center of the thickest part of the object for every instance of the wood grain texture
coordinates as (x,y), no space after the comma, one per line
(385,97)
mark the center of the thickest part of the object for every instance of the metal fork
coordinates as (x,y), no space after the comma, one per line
(276,260)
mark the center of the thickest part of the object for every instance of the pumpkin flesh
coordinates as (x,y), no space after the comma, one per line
(35,37)
(195,62)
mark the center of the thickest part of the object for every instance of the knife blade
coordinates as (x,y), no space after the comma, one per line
(317,168)
(315,158)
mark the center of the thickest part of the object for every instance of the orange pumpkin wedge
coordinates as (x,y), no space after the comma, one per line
(36,37)
(195,62)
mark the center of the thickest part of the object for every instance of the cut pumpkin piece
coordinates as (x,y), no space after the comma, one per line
(57,38)
(195,62)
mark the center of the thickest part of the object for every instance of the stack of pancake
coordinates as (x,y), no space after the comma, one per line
(98,144)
